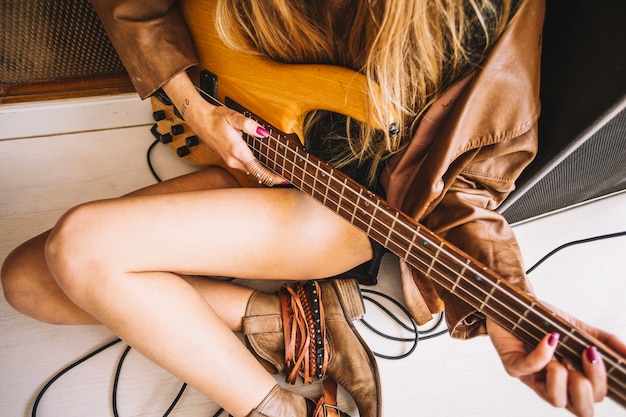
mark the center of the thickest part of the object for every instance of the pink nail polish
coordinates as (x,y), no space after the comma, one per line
(285,183)
(592,354)
(263,132)
(553,339)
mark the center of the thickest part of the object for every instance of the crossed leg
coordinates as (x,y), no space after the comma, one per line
(131,264)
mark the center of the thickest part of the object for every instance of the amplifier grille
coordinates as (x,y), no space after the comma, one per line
(46,41)
(595,168)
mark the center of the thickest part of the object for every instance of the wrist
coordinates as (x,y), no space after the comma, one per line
(184,95)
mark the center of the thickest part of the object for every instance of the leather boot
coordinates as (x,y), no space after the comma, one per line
(283,403)
(319,341)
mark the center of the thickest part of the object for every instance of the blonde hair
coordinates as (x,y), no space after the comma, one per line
(411,50)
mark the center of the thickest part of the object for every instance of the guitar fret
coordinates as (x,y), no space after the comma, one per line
(311,172)
(460,275)
(343,189)
(284,170)
(273,150)
(315,180)
(325,201)
(523,316)
(305,174)
(357,204)
(489,295)
(297,160)
(411,245)
(294,169)
(369,226)
(565,337)
(391,230)
(434,260)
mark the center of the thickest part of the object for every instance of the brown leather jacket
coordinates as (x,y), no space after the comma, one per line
(485,128)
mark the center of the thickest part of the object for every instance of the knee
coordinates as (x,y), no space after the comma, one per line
(24,283)
(69,250)
(15,281)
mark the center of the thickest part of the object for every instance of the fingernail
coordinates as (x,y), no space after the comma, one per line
(263,132)
(592,354)
(285,183)
(553,339)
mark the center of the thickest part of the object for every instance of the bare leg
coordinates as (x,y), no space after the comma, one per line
(30,288)
(110,258)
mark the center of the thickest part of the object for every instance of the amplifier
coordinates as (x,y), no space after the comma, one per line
(582,128)
(55,49)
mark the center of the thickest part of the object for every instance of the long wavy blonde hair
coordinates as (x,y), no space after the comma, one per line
(411,50)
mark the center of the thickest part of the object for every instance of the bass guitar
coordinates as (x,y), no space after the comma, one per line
(279,96)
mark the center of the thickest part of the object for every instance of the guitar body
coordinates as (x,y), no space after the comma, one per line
(279,96)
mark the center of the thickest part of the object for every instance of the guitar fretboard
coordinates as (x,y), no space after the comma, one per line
(457,272)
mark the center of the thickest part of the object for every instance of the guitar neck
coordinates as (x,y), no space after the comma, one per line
(283,95)
(457,272)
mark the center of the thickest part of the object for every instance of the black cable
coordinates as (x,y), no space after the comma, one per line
(67,369)
(148,157)
(118,372)
(219,412)
(575,242)
(417,334)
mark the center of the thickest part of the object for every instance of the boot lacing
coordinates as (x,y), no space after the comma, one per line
(304,331)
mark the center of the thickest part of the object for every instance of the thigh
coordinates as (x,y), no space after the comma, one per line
(243,232)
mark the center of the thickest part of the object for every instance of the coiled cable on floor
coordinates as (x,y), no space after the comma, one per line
(417,334)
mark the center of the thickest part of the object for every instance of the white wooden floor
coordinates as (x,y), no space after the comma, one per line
(55,155)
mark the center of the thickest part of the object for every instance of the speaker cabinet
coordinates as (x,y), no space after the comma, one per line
(582,128)
(55,49)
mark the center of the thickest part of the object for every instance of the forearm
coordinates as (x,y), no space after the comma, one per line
(183,93)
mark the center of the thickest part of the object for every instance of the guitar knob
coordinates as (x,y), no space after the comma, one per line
(177,129)
(166,138)
(192,141)
(158,115)
(182,151)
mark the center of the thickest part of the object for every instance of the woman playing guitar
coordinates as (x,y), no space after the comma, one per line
(450,121)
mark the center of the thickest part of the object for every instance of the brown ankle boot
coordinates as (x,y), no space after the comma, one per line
(307,330)
(283,403)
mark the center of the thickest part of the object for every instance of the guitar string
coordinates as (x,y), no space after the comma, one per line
(506,306)
(505,290)
(566,332)
(417,247)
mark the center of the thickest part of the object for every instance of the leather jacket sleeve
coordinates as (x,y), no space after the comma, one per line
(151,39)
